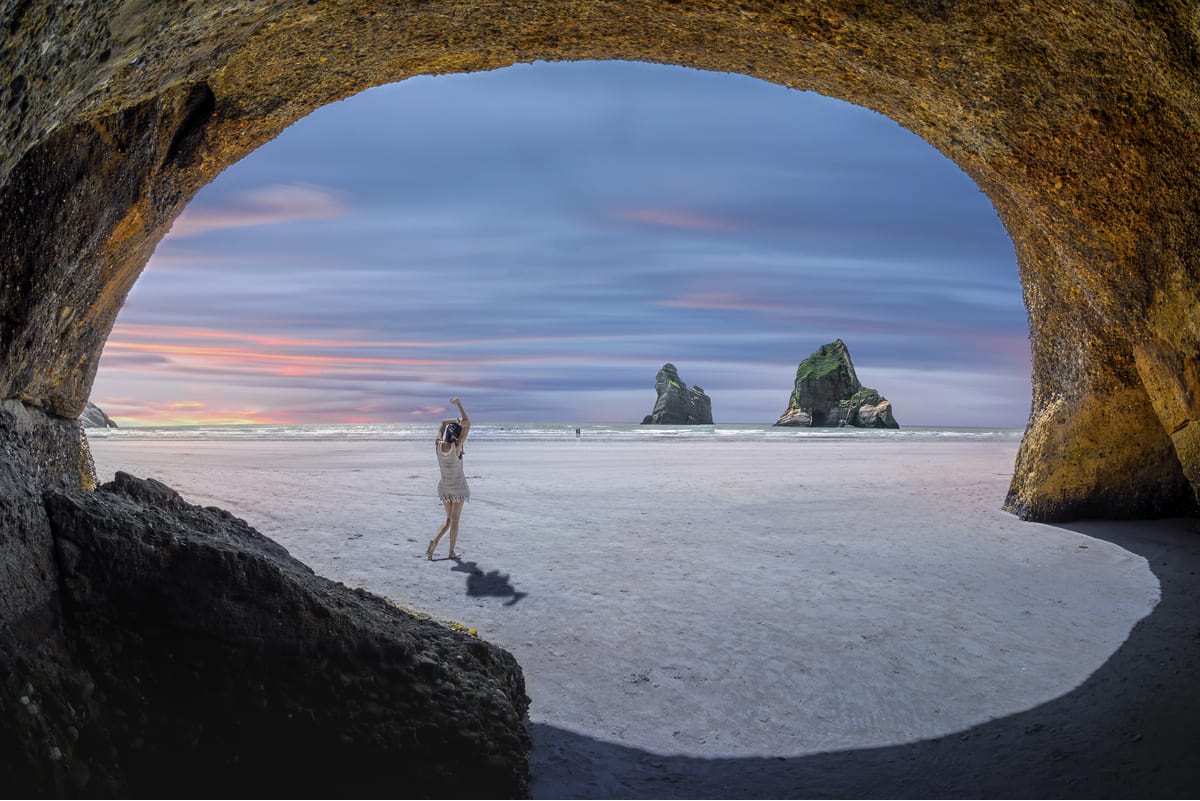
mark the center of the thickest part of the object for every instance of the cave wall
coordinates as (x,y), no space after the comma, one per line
(41,690)
(1078,118)
(152,648)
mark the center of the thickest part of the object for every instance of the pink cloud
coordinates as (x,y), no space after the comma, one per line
(250,359)
(188,334)
(674,218)
(427,411)
(720,300)
(136,345)
(183,412)
(281,203)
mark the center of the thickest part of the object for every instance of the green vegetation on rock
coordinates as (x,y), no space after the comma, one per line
(827,360)
(828,393)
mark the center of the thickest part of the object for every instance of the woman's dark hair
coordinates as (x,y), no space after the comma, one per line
(452,434)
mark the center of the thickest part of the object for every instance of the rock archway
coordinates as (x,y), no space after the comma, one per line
(1078,119)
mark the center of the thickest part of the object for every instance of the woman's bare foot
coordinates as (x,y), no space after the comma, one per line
(456,555)
(429,550)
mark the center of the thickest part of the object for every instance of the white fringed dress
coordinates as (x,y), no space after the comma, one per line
(453,484)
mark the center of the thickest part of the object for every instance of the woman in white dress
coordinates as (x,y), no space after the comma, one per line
(452,488)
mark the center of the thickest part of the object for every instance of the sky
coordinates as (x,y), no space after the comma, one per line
(541,239)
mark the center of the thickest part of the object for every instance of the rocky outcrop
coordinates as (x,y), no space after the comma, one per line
(828,393)
(143,639)
(94,417)
(205,643)
(1083,129)
(677,403)
(41,687)
(1067,119)
(869,409)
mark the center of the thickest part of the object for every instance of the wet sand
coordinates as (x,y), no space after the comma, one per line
(770,619)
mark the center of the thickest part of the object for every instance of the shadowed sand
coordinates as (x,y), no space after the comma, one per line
(771,619)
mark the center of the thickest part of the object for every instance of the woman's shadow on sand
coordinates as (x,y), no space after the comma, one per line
(490,584)
(1130,730)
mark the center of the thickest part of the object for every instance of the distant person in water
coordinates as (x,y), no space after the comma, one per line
(452,488)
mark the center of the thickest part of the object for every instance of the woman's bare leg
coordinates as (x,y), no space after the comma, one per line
(454,509)
(433,543)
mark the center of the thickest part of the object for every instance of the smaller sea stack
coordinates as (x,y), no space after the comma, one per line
(677,404)
(94,417)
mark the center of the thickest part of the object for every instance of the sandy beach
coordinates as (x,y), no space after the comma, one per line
(762,619)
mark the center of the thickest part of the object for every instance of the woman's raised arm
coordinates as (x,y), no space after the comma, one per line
(464,419)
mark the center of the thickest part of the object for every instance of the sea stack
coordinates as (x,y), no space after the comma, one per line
(677,404)
(94,417)
(828,393)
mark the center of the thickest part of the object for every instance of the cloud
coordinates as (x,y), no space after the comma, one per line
(189,334)
(182,412)
(270,205)
(598,221)
(116,360)
(674,218)
(949,397)
(723,302)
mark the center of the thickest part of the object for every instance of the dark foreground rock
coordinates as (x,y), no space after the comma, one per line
(677,403)
(222,664)
(94,417)
(42,688)
(149,647)
(828,393)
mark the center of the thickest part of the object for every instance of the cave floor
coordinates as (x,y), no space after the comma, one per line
(742,619)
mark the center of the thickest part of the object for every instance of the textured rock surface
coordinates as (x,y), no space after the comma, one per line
(1079,120)
(872,410)
(1081,124)
(677,403)
(148,645)
(828,393)
(40,687)
(218,657)
(1082,127)
(94,417)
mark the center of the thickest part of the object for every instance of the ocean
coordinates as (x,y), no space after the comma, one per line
(554,431)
